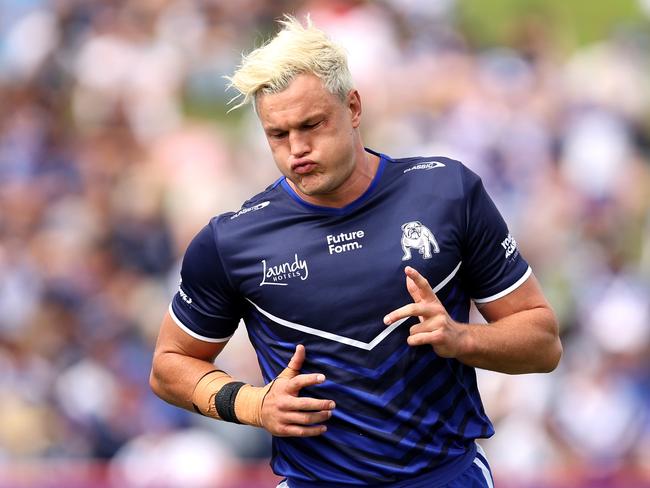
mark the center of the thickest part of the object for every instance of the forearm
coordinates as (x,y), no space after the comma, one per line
(174,377)
(524,342)
(195,385)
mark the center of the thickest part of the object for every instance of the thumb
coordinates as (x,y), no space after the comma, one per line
(295,363)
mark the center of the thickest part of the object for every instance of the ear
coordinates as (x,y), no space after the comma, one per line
(354,105)
(405,225)
(417,222)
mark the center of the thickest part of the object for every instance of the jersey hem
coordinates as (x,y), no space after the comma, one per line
(190,332)
(508,290)
(437,478)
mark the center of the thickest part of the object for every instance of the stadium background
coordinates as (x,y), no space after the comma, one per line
(115,149)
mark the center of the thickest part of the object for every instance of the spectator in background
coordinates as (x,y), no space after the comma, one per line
(78,295)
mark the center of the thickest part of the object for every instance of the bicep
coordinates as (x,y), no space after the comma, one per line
(173,339)
(528,296)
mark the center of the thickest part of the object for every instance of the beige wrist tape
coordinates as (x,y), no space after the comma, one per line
(248,402)
(206,389)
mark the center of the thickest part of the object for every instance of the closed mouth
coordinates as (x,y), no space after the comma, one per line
(303,167)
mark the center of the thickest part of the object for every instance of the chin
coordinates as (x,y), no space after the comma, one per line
(313,187)
(310,190)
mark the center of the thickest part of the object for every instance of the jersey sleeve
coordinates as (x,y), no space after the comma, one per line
(492,264)
(206,304)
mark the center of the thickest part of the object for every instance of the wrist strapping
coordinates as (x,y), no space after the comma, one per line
(219,396)
(224,401)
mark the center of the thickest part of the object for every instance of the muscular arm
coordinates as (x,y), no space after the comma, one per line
(179,361)
(521,337)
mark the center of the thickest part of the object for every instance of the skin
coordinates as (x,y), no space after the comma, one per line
(522,336)
(180,361)
(315,141)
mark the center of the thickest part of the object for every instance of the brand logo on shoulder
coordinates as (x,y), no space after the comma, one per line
(510,246)
(250,209)
(427,165)
(184,295)
(279,274)
(344,242)
(417,236)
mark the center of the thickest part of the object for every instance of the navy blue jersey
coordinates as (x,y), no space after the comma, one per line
(298,273)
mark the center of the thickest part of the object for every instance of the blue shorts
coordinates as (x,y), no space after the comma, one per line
(477,475)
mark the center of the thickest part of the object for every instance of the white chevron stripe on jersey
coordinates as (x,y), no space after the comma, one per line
(368,346)
(442,284)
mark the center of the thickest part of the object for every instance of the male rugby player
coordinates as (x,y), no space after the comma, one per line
(354,274)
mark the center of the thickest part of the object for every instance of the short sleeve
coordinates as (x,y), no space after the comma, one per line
(206,304)
(492,264)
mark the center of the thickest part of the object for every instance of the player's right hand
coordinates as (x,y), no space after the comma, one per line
(284,413)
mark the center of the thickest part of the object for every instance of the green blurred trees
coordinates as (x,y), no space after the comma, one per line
(571,22)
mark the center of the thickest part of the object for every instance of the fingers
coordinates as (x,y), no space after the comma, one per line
(302,381)
(298,358)
(413,290)
(288,385)
(295,363)
(286,401)
(296,381)
(287,414)
(290,430)
(437,322)
(431,338)
(426,303)
(307,418)
(301,417)
(419,309)
(418,286)
(411,310)
(312,404)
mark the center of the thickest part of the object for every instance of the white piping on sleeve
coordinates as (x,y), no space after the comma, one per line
(191,332)
(510,289)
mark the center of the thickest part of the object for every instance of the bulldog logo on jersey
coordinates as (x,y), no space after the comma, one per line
(417,236)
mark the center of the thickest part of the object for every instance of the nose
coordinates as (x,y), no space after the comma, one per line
(299,144)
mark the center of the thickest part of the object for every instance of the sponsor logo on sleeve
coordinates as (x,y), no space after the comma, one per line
(183,295)
(510,246)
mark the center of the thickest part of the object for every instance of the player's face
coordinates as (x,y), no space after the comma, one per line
(314,138)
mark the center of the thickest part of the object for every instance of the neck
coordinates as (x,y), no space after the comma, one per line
(362,176)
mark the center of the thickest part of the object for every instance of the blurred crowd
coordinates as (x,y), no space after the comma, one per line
(116,148)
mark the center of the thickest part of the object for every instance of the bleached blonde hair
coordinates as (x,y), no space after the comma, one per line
(295,49)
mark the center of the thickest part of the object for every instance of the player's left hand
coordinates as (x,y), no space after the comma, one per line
(436,327)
